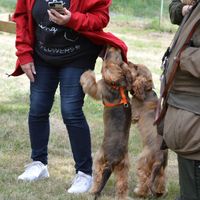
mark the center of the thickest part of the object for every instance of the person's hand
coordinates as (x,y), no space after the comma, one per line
(58,18)
(29,70)
(186,9)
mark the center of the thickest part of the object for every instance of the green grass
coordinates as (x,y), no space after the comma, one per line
(14,153)
(140,8)
(7,5)
(146,45)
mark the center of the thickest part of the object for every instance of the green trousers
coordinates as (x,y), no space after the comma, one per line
(189,178)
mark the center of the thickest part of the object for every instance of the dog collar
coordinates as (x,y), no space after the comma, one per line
(123,100)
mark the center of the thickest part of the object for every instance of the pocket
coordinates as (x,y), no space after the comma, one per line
(189,133)
(181,131)
(171,128)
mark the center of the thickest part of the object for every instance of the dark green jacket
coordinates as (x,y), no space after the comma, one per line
(185,91)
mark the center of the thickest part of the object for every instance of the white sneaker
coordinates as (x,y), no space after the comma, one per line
(81,183)
(34,171)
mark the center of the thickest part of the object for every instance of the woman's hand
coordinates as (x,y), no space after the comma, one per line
(186,9)
(29,70)
(58,18)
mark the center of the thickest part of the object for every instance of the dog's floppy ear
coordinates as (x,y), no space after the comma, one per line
(130,75)
(143,81)
(146,73)
(138,87)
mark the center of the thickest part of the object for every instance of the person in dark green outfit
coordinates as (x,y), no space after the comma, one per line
(182,120)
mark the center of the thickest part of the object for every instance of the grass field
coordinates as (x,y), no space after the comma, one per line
(143,8)
(145,45)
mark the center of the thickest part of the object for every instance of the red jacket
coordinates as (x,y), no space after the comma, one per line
(88,17)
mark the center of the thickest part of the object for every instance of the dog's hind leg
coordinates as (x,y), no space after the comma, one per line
(143,174)
(105,176)
(101,174)
(121,174)
(142,189)
(99,164)
(160,183)
(157,170)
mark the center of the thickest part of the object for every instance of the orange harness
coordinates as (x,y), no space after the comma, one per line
(123,101)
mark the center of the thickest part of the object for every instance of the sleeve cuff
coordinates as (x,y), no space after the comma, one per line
(24,59)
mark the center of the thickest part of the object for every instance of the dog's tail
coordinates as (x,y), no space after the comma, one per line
(105,176)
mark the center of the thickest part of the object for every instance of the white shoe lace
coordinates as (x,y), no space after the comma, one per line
(34,171)
(81,183)
(36,164)
(78,179)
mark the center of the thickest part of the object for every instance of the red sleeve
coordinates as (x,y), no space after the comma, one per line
(94,17)
(23,41)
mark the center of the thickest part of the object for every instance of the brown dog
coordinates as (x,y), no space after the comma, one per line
(113,153)
(152,161)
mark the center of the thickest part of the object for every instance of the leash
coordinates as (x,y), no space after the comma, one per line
(123,101)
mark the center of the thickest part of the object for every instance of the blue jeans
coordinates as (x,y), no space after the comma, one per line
(42,94)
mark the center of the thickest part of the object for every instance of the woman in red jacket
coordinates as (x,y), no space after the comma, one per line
(54,47)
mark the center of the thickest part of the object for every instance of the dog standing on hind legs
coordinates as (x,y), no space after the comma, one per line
(152,161)
(112,156)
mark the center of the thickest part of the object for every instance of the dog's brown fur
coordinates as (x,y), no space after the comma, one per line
(142,80)
(152,161)
(113,153)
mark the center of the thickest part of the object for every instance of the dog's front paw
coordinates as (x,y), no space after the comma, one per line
(86,76)
(87,80)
